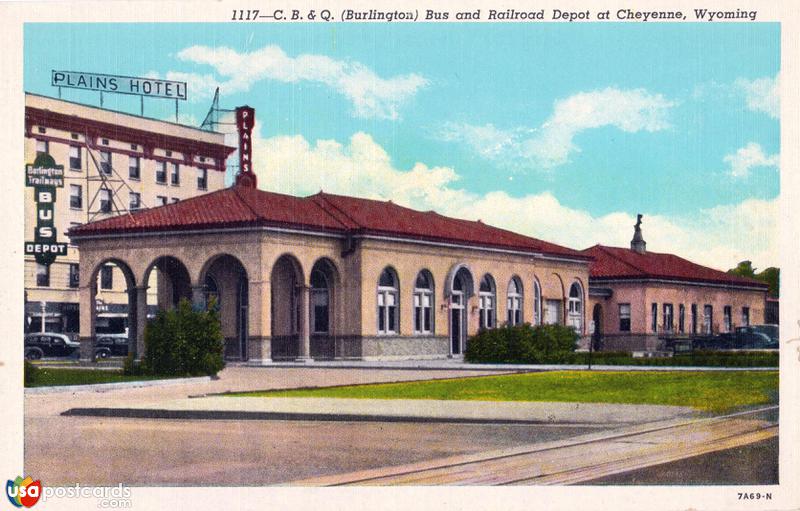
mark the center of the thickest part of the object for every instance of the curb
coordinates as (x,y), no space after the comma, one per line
(99,387)
(495,367)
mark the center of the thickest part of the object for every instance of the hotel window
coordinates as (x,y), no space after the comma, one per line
(575,307)
(105,200)
(694,318)
(726,317)
(134,167)
(74,275)
(514,302)
(75,196)
(654,317)
(135,201)
(708,319)
(487,302)
(160,200)
(41,129)
(202,179)
(388,319)
(175,175)
(104,141)
(161,172)
(552,312)
(624,317)
(537,302)
(423,303)
(320,303)
(105,162)
(42,147)
(745,316)
(668,324)
(682,318)
(175,200)
(74,157)
(106,277)
(42,275)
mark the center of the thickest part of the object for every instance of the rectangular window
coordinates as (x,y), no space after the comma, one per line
(74,275)
(726,316)
(74,157)
(105,200)
(654,317)
(42,147)
(552,312)
(135,201)
(133,167)
(682,318)
(624,317)
(106,277)
(387,312)
(745,316)
(202,179)
(668,324)
(161,172)
(75,196)
(422,312)
(708,319)
(175,175)
(42,275)
(487,311)
(160,200)
(319,302)
(694,318)
(105,162)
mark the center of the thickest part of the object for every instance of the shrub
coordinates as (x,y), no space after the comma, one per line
(522,344)
(31,374)
(183,341)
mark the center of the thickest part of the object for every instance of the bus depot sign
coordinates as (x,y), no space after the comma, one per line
(44,176)
(138,86)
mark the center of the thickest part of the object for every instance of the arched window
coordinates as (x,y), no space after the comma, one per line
(487,301)
(514,302)
(575,310)
(320,303)
(423,303)
(537,302)
(388,317)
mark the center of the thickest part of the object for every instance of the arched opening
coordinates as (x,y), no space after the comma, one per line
(575,307)
(487,294)
(225,278)
(113,311)
(460,292)
(537,302)
(597,319)
(514,302)
(168,285)
(286,281)
(423,303)
(388,302)
(323,280)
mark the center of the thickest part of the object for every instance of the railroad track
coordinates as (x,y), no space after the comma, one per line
(574,460)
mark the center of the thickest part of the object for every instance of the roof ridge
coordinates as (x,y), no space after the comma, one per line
(244,201)
(328,204)
(626,263)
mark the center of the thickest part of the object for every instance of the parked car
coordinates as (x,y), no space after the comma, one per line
(754,337)
(111,345)
(38,345)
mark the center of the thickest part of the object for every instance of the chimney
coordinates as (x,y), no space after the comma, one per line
(638,244)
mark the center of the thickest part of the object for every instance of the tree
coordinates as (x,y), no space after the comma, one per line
(744,269)
(770,276)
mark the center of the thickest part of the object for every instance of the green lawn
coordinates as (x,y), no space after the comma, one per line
(709,390)
(47,376)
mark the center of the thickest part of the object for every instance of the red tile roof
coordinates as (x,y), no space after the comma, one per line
(623,263)
(241,206)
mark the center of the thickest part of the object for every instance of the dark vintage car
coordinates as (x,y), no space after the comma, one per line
(39,345)
(754,337)
(111,345)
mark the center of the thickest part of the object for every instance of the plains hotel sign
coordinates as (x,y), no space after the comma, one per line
(137,86)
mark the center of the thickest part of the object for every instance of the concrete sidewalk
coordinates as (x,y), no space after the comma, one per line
(395,410)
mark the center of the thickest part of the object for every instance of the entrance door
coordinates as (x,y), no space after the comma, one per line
(456,322)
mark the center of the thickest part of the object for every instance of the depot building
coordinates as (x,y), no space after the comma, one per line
(330,276)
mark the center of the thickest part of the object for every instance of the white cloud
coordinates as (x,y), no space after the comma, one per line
(551,144)
(371,95)
(749,157)
(762,95)
(719,237)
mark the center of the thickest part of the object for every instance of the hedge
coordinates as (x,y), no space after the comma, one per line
(522,344)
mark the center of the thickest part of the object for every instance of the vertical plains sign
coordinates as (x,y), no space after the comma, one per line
(245,117)
(44,176)
(137,86)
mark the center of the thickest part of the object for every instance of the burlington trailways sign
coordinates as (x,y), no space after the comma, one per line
(45,176)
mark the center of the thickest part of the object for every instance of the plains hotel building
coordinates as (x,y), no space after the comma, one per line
(114,163)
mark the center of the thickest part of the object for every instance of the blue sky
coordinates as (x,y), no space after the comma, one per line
(574,127)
